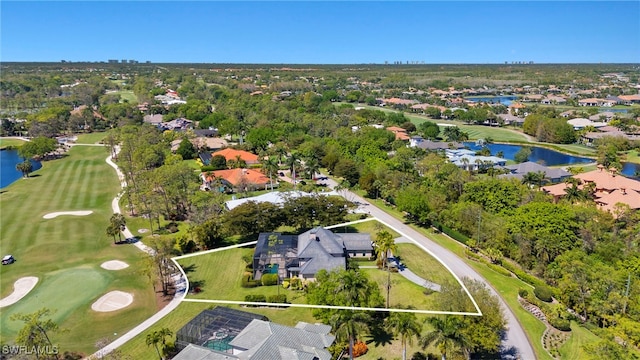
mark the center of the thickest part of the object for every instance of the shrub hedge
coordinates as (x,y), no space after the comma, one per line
(248,282)
(499,269)
(451,233)
(543,293)
(282,298)
(269,279)
(559,323)
(523,293)
(255,298)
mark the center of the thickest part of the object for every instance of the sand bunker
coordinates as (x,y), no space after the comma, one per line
(21,288)
(75,213)
(114,265)
(112,301)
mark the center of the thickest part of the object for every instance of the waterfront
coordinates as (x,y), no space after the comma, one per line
(8,161)
(548,157)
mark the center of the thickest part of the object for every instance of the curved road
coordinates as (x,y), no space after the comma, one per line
(515,337)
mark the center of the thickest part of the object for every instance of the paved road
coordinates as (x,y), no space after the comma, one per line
(515,335)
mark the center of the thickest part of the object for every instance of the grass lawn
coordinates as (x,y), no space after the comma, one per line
(10,142)
(633,156)
(424,265)
(65,253)
(495,133)
(126,95)
(92,138)
(216,284)
(372,227)
(572,349)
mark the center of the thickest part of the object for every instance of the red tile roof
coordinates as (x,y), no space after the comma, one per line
(236,177)
(231,154)
(605,180)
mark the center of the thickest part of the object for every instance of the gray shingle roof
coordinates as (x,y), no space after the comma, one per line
(316,328)
(270,341)
(356,241)
(322,261)
(194,352)
(529,166)
(322,236)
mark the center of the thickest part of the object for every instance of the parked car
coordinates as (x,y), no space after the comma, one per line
(280,173)
(8,259)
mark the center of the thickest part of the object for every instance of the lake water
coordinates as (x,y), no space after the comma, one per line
(547,157)
(504,100)
(8,161)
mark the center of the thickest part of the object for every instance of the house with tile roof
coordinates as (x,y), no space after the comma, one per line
(225,334)
(610,189)
(401,134)
(229,180)
(630,99)
(306,254)
(232,154)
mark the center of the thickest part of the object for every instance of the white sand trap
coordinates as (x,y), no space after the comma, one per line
(75,213)
(112,301)
(21,288)
(114,265)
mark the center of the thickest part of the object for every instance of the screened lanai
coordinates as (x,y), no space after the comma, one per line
(215,328)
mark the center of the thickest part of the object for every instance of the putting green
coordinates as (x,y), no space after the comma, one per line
(63,291)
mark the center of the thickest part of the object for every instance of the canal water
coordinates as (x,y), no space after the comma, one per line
(8,161)
(547,157)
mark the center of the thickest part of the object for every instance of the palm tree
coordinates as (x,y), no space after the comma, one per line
(164,332)
(25,168)
(573,193)
(119,223)
(312,166)
(280,150)
(385,243)
(112,231)
(153,338)
(406,325)
(465,162)
(531,178)
(348,324)
(293,163)
(270,166)
(238,163)
(446,335)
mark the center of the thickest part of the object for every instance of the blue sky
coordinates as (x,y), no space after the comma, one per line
(332,32)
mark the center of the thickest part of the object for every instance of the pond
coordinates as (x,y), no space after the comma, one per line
(548,157)
(8,161)
(504,100)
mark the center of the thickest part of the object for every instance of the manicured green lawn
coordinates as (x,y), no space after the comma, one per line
(495,133)
(65,252)
(572,349)
(92,138)
(10,142)
(424,265)
(633,156)
(127,95)
(372,227)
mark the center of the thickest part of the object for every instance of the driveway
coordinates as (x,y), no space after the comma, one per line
(515,336)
